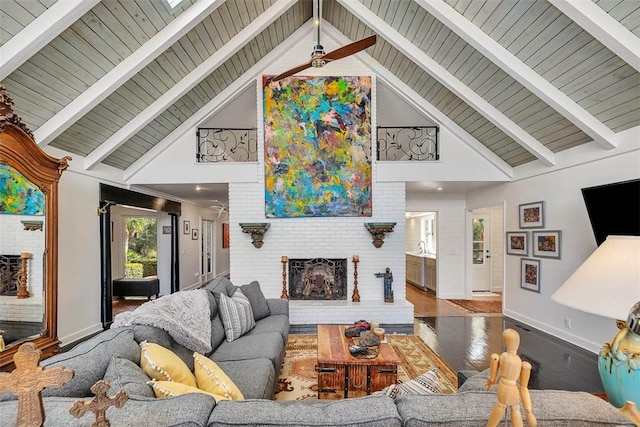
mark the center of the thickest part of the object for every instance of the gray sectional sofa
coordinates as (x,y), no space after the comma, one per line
(253,362)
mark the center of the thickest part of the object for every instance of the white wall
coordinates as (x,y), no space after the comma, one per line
(78,257)
(565,211)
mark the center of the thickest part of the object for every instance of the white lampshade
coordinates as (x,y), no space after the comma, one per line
(608,282)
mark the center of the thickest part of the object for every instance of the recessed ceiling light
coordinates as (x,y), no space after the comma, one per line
(439,188)
(198,188)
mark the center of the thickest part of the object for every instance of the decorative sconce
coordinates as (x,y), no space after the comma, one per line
(256,230)
(32,225)
(378,231)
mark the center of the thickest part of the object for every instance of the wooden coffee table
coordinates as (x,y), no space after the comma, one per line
(340,375)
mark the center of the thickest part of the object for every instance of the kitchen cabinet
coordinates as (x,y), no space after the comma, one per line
(415,271)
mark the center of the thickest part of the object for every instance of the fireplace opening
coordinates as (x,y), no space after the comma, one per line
(9,274)
(318,279)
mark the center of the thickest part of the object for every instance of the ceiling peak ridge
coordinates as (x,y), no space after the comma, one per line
(422,105)
(221,100)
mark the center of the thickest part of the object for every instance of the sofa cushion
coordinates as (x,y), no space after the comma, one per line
(427,383)
(278,306)
(123,374)
(267,346)
(274,323)
(90,360)
(217,333)
(221,285)
(374,411)
(258,302)
(256,378)
(182,411)
(212,379)
(472,409)
(236,314)
(162,364)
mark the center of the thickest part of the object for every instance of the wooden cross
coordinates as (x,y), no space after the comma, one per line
(27,382)
(99,404)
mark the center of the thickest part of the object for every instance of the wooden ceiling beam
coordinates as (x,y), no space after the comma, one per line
(521,72)
(449,81)
(603,27)
(421,105)
(220,101)
(40,32)
(187,83)
(122,72)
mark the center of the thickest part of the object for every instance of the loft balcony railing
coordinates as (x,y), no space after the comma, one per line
(395,143)
(226,145)
(399,143)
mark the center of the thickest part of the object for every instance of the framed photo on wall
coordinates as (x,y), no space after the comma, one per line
(186,227)
(530,274)
(194,234)
(547,244)
(518,243)
(531,215)
(166,229)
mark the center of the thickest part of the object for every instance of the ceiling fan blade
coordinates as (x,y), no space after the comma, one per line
(350,49)
(290,72)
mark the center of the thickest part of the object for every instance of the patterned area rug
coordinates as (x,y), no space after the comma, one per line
(298,379)
(476,307)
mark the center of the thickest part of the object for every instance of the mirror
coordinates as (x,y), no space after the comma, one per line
(28,255)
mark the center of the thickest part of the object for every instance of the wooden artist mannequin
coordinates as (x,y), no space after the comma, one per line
(511,369)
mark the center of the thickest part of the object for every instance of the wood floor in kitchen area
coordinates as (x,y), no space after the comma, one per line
(466,341)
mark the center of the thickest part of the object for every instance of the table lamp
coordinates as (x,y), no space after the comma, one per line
(608,284)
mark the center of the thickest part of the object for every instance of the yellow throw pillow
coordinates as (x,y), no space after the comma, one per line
(212,379)
(172,388)
(162,364)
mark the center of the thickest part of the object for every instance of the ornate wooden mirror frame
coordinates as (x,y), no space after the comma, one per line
(19,150)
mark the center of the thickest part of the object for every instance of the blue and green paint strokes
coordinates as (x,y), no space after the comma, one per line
(18,196)
(318,147)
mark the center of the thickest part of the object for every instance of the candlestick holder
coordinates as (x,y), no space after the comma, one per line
(284,294)
(356,294)
(22,280)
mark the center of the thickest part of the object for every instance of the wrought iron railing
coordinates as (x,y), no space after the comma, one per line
(418,143)
(226,145)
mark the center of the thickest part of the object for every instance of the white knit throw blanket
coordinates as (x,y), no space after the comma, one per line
(184,315)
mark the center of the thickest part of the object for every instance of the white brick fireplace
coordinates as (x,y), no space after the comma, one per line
(323,237)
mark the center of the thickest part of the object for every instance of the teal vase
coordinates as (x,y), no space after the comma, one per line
(620,372)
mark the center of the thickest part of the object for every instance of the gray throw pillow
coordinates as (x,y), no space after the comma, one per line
(236,314)
(123,374)
(258,302)
(90,360)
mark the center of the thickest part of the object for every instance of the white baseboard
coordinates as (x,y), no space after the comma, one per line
(224,273)
(558,333)
(76,336)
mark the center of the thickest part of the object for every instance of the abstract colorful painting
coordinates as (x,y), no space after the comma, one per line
(317,148)
(18,196)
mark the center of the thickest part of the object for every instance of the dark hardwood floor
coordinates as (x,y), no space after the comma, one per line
(467,341)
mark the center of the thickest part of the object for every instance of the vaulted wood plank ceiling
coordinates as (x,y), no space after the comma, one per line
(526,78)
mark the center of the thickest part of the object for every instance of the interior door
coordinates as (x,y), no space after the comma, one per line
(481,256)
(207,239)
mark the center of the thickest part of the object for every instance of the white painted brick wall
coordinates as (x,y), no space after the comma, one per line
(322,237)
(25,310)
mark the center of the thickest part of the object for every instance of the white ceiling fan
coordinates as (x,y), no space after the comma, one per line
(318,57)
